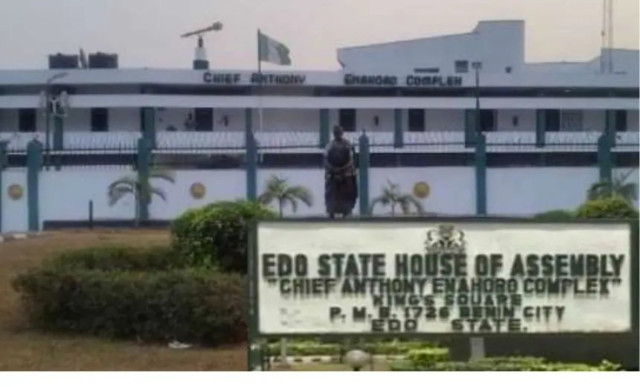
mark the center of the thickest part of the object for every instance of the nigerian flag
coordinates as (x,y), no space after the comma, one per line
(272,51)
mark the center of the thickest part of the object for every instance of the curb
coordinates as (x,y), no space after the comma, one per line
(17,236)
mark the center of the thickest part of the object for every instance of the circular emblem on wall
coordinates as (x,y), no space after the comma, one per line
(197,190)
(421,189)
(15,191)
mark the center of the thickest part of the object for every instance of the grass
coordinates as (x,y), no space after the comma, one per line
(23,349)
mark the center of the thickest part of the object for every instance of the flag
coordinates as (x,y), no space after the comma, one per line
(272,51)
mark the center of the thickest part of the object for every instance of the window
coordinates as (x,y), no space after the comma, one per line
(487,120)
(621,120)
(553,120)
(27,120)
(416,120)
(204,119)
(462,66)
(347,119)
(99,120)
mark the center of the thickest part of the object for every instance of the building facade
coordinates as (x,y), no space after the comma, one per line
(420,104)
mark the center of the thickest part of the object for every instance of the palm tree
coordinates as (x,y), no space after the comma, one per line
(142,192)
(278,190)
(617,187)
(391,196)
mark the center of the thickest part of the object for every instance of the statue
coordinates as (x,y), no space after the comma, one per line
(341,185)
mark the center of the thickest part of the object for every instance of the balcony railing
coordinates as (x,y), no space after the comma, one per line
(308,142)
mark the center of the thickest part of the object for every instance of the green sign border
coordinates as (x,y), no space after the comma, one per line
(254,355)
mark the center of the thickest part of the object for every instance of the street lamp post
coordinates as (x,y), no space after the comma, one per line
(477,66)
(47,109)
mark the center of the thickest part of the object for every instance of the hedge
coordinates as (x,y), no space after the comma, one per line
(123,258)
(608,208)
(503,364)
(216,235)
(189,305)
(315,348)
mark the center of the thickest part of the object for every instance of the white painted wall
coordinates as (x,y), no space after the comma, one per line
(526,120)
(311,178)
(15,216)
(452,188)
(124,120)
(219,185)
(365,120)
(236,120)
(175,117)
(593,120)
(65,194)
(295,120)
(527,191)
(444,120)
(495,43)
(78,120)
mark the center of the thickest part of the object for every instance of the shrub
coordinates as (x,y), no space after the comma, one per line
(190,305)
(609,208)
(216,235)
(426,357)
(111,258)
(555,215)
(502,364)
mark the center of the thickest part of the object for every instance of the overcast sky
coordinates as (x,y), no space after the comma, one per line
(145,33)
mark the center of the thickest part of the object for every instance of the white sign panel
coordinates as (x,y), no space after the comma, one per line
(414,277)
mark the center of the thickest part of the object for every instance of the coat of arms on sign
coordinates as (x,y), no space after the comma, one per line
(445,239)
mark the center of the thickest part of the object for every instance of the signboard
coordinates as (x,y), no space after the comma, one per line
(293,79)
(416,277)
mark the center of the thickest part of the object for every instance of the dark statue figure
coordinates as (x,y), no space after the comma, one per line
(341,185)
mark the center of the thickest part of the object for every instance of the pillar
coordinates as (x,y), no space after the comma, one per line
(398,134)
(149,125)
(143,165)
(469,127)
(324,128)
(363,174)
(541,126)
(605,162)
(34,164)
(610,126)
(252,157)
(481,174)
(3,165)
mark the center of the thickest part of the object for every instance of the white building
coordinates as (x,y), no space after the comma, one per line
(415,100)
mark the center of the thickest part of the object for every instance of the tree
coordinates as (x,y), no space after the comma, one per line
(279,190)
(392,196)
(142,192)
(617,187)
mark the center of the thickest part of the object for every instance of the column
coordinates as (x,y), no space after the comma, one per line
(481,175)
(3,165)
(149,125)
(252,157)
(325,134)
(34,164)
(541,126)
(363,174)
(398,134)
(143,161)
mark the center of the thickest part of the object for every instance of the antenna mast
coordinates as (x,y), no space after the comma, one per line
(200,61)
(606,52)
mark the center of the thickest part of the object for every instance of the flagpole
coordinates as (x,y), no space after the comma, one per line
(259,85)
